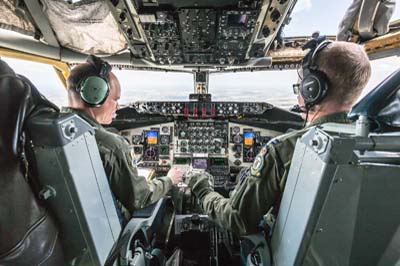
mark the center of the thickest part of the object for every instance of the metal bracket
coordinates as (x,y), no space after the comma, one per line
(270,20)
(69,129)
(127,18)
(42,22)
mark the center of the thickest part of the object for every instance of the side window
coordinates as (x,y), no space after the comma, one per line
(380,69)
(43,77)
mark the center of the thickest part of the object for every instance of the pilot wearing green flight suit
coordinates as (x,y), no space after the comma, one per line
(93,94)
(332,77)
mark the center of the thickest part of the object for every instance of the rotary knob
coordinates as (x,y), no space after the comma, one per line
(182,134)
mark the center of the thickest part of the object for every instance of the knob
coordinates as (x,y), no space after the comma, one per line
(237,162)
(182,134)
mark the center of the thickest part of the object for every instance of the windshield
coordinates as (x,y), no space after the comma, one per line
(274,87)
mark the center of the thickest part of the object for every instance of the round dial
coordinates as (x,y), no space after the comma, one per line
(217,143)
(164,129)
(150,152)
(184,143)
(235,130)
(237,139)
(164,139)
(136,139)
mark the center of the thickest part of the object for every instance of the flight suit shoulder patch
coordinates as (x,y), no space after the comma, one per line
(258,163)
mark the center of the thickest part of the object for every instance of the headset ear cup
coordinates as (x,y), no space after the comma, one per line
(313,88)
(94,91)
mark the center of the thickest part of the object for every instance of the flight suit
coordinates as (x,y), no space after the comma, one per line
(259,187)
(130,190)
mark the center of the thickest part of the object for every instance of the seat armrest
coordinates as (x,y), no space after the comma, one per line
(144,223)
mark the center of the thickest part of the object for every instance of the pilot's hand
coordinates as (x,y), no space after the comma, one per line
(176,175)
(200,184)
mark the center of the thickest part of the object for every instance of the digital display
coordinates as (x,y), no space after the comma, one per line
(199,163)
(152,137)
(236,20)
(218,161)
(248,138)
(178,160)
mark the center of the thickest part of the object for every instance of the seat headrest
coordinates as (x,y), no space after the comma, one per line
(381,105)
(18,99)
(5,68)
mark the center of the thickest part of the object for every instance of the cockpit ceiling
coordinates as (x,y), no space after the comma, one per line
(169,35)
(14,17)
(188,33)
(85,28)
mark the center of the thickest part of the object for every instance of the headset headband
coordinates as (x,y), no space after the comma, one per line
(315,45)
(102,67)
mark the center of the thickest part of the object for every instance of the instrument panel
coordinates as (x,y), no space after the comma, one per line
(217,146)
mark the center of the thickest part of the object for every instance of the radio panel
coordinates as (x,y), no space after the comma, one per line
(210,137)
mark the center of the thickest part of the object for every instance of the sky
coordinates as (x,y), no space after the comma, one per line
(270,86)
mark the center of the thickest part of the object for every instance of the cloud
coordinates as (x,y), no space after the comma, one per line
(302,5)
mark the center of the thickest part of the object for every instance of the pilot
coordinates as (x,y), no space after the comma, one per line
(332,77)
(93,94)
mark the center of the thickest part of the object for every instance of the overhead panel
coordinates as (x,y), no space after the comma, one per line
(205,33)
(272,16)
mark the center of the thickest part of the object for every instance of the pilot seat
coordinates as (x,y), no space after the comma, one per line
(58,208)
(341,201)
(28,231)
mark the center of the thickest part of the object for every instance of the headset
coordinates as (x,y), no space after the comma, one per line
(315,83)
(94,89)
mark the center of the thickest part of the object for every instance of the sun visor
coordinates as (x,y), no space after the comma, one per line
(15,18)
(85,27)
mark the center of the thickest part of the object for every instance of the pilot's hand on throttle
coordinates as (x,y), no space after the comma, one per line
(199,183)
(176,175)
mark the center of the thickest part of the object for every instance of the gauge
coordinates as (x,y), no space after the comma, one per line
(136,139)
(137,150)
(235,130)
(151,153)
(164,129)
(164,139)
(184,143)
(164,150)
(237,139)
(217,143)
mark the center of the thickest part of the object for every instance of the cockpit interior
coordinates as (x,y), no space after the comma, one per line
(57,206)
